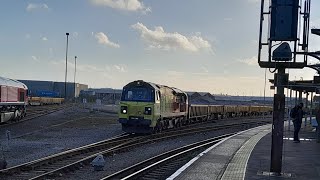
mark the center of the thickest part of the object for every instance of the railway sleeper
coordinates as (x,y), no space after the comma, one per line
(165,168)
(153,173)
(25,175)
(171,166)
(22,177)
(157,176)
(149,178)
(150,175)
(48,169)
(160,171)
(40,171)
(176,163)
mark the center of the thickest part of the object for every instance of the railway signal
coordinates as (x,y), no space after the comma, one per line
(283,28)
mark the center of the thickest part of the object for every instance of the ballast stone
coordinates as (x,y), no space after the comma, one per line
(98,163)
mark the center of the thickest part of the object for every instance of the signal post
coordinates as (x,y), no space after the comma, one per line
(280,40)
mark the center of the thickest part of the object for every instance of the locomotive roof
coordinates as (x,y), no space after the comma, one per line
(157,86)
(10,82)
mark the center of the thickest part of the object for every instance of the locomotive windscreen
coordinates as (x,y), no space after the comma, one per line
(141,94)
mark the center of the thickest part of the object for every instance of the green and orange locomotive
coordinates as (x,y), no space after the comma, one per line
(147,107)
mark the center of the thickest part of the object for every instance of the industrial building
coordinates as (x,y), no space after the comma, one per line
(35,86)
(106,95)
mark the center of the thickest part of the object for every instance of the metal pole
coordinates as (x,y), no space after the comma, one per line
(311,106)
(300,96)
(277,126)
(295,102)
(305,118)
(65,80)
(260,29)
(290,109)
(75,71)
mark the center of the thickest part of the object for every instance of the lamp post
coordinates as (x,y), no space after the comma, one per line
(65,78)
(75,71)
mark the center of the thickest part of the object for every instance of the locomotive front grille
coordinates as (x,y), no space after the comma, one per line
(136,118)
(136,121)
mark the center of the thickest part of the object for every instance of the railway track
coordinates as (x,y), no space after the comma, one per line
(36,112)
(58,164)
(68,159)
(163,165)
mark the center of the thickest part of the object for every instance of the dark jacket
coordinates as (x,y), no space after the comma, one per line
(299,116)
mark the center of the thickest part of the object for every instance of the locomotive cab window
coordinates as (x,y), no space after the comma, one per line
(158,96)
(138,94)
(21,97)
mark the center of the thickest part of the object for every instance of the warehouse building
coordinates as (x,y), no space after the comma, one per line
(106,95)
(36,88)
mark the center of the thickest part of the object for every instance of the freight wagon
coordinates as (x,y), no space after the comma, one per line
(39,101)
(44,97)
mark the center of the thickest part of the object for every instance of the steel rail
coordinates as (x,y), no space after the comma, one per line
(128,145)
(50,160)
(177,155)
(34,114)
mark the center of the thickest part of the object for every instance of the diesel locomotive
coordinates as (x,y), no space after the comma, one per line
(148,107)
(13,99)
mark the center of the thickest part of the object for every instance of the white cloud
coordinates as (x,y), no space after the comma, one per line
(32,7)
(126,5)
(44,38)
(103,39)
(253,61)
(35,58)
(120,68)
(158,38)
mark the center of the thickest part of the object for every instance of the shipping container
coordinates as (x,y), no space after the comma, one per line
(44,93)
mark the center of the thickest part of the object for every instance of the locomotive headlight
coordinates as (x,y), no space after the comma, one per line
(124,109)
(147,110)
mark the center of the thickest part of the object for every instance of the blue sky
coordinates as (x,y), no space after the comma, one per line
(207,45)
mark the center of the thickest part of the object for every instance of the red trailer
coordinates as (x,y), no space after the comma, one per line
(13,99)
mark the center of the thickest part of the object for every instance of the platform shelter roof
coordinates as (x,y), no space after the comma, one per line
(302,85)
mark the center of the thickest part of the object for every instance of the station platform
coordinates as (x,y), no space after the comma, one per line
(247,154)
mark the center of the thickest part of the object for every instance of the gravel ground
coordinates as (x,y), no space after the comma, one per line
(120,161)
(56,132)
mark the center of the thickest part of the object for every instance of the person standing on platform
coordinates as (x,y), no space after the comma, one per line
(318,121)
(297,121)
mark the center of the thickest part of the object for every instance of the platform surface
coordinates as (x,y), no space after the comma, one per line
(247,156)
